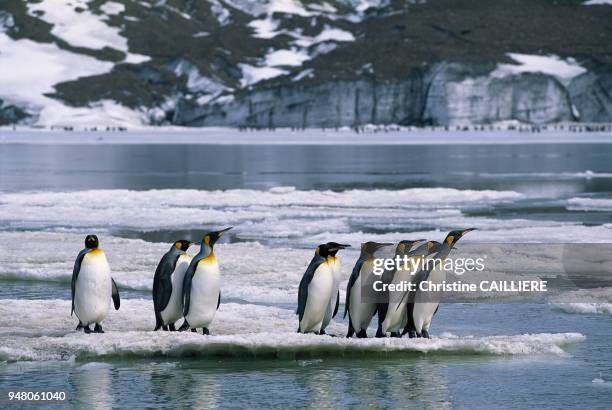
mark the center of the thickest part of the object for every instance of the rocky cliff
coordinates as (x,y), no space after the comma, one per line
(303,63)
(446,94)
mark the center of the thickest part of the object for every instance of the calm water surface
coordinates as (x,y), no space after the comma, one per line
(547,174)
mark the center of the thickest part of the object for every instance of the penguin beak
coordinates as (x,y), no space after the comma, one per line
(338,247)
(467,230)
(222,231)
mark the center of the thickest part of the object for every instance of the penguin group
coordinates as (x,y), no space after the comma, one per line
(183,287)
(188,288)
(412,314)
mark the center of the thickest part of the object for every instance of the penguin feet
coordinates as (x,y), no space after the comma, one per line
(379,333)
(396,334)
(412,334)
(322,332)
(98,328)
(79,326)
(164,327)
(194,330)
(184,326)
(86,329)
(418,335)
(205,331)
(426,334)
(171,327)
(362,334)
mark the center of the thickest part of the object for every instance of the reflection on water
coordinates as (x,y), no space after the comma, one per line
(434,380)
(92,384)
(565,168)
(203,384)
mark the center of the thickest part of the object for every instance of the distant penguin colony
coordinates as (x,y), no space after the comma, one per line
(190,288)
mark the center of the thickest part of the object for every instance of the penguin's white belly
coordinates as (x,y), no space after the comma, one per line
(335,267)
(174,309)
(93,288)
(396,319)
(424,311)
(319,295)
(204,294)
(361,313)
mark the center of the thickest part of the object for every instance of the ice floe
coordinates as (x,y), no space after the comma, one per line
(44,331)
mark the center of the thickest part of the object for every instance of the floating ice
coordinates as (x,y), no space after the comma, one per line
(43,331)
(589,204)
(179,208)
(585,301)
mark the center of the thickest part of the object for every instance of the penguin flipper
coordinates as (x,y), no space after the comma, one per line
(187,283)
(115,295)
(219,300)
(162,281)
(337,305)
(75,274)
(306,279)
(351,282)
(419,277)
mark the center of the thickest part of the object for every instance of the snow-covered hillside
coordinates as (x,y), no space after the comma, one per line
(209,62)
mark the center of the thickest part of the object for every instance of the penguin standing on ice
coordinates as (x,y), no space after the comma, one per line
(334,302)
(316,289)
(392,314)
(424,307)
(433,247)
(201,286)
(92,286)
(361,313)
(168,285)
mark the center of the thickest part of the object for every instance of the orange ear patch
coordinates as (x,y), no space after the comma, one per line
(450,240)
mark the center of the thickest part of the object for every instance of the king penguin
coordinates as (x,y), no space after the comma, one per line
(316,289)
(433,248)
(168,285)
(92,286)
(334,302)
(425,304)
(201,286)
(361,313)
(392,314)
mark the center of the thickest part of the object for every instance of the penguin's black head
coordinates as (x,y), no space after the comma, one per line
(433,247)
(454,236)
(334,247)
(370,247)
(405,245)
(182,245)
(212,237)
(323,250)
(91,242)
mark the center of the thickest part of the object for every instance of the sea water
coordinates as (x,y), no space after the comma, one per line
(284,199)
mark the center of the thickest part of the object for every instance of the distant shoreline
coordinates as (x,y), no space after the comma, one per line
(229,136)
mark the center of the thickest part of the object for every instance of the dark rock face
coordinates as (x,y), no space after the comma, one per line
(10,114)
(591,94)
(448,94)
